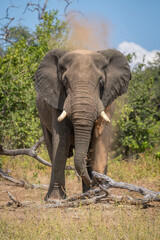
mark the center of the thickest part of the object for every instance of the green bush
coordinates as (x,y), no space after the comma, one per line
(19,122)
(137,120)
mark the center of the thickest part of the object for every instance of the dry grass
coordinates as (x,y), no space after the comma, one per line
(101,221)
(93,222)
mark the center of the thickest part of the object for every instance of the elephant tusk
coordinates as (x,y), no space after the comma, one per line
(62,116)
(105,117)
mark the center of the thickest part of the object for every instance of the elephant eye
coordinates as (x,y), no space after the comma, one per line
(62,68)
(65,81)
(105,66)
(101,87)
(101,81)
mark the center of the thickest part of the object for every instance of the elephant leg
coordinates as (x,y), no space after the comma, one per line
(48,141)
(61,144)
(100,155)
(100,146)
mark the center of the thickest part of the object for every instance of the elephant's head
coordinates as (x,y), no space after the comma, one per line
(83,83)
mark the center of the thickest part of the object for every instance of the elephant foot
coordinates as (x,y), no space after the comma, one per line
(85,188)
(57,192)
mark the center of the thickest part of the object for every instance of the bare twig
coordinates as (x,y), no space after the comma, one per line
(38,143)
(89,194)
(21,183)
(26,151)
(67,5)
(4,36)
(30,152)
(61,204)
(119,199)
(57,203)
(31,7)
(36,7)
(9,178)
(96,195)
(149,196)
(14,200)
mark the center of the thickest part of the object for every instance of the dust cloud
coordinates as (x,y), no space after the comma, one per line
(90,33)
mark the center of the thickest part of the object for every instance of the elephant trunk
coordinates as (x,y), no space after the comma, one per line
(83,109)
(82,140)
(83,115)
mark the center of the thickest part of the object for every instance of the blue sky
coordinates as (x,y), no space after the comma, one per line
(131,21)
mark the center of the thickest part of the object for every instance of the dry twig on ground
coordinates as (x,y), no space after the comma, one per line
(14,200)
(21,183)
(149,196)
(101,195)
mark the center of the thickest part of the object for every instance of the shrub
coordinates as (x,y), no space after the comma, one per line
(19,122)
(137,125)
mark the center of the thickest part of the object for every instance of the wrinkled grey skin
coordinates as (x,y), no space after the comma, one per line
(83,83)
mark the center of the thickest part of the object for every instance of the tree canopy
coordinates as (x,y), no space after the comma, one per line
(20,125)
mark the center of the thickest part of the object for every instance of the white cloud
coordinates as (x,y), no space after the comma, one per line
(141,53)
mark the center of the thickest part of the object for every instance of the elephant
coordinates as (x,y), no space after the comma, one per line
(75,97)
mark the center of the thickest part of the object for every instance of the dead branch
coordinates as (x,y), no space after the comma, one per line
(69,168)
(81,202)
(4,36)
(8,19)
(59,203)
(14,200)
(30,152)
(120,199)
(97,195)
(149,196)
(67,5)
(26,151)
(94,195)
(36,7)
(21,183)
(9,178)
(88,194)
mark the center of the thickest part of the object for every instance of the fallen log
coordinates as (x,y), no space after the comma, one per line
(75,203)
(95,195)
(149,196)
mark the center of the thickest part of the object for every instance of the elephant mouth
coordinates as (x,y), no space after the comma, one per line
(64,114)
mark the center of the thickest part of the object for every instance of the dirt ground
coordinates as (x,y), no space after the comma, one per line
(96,221)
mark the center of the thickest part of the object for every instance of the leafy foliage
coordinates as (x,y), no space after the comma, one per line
(19,122)
(137,127)
(17,32)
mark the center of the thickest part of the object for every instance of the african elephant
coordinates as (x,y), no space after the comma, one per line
(75,91)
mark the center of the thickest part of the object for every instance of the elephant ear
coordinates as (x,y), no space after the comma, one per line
(47,82)
(118,75)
